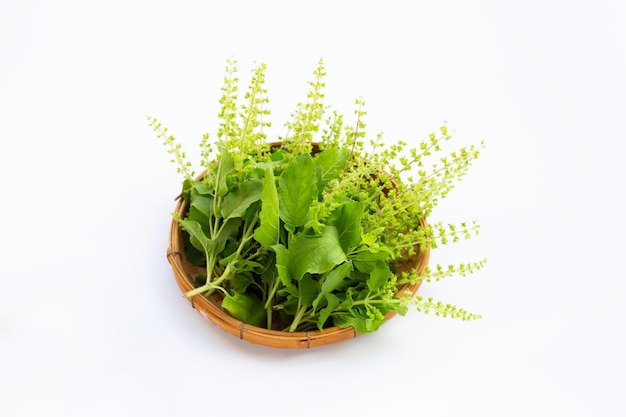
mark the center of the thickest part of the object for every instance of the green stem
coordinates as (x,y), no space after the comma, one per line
(270,295)
(297,318)
(209,287)
(252,110)
(269,307)
(268,319)
(355,136)
(369,300)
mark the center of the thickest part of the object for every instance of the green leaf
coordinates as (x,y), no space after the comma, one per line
(201,202)
(315,254)
(229,230)
(225,167)
(240,281)
(196,215)
(378,277)
(187,186)
(333,281)
(308,288)
(283,261)
(346,299)
(237,202)
(268,232)
(296,191)
(278,155)
(202,188)
(197,237)
(194,255)
(348,224)
(289,291)
(246,308)
(366,261)
(269,274)
(329,164)
(200,206)
(360,324)
(289,305)
(332,302)
(344,320)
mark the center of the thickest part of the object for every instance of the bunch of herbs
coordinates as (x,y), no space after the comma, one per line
(306,232)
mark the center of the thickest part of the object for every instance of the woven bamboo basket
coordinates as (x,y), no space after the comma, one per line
(210,307)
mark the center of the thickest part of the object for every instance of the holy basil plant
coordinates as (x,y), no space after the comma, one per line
(306,232)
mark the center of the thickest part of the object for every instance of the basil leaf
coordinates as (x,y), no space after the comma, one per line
(378,277)
(225,167)
(315,254)
(268,232)
(329,164)
(348,224)
(229,230)
(289,291)
(297,189)
(246,308)
(332,302)
(283,261)
(194,255)
(201,202)
(365,261)
(240,281)
(308,289)
(333,281)
(360,324)
(197,237)
(237,202)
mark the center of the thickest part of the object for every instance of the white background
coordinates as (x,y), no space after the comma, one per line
(91,320)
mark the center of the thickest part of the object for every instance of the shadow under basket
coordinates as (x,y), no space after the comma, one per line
(210,307)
